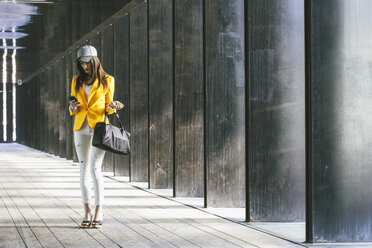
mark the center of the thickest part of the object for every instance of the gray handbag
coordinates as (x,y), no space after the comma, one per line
(111,138)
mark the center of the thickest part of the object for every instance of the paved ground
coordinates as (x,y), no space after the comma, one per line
(40,206)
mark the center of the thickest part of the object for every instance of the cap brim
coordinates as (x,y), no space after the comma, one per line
(85,59)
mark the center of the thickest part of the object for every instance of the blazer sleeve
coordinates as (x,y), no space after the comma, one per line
(73,92)
(110,95)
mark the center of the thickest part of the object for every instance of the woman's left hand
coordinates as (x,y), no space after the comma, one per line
(116,105)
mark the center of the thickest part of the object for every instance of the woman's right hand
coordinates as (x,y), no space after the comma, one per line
(74,105)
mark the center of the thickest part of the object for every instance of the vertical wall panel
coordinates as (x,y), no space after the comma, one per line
(276,110)
(161,93)
(18,118)
(44,119)
(189,98)
(49,106)
(139,94)
(55,113)
(95,13)
(74,72)
(31,99)
(29,121)
(9,106)
(40,121)
(27,130)
(1,113)
(96,42)
(121,71)
(107,60)
(340,120)
(85,15)
(37,113)
(67,76)
(62,103)
(225,103)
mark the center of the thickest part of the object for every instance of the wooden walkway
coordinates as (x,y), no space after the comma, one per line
(40,206)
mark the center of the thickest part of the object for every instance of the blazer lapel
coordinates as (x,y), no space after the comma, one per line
(93,90)
(81,92)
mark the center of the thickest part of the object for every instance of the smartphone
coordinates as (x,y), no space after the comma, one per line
(72,98)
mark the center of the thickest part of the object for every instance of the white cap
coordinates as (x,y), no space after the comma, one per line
(85,53)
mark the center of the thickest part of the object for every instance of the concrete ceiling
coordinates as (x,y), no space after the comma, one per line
(43,29)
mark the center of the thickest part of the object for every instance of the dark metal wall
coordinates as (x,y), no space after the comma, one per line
(276,110)
(161,93)
(188,98)
(225,103)
(9,104)
(139,94)
(57,26)
(121,72)
(339,112)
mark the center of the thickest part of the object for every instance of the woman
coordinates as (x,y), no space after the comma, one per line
(94,90)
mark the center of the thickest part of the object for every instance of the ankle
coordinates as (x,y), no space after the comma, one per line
(98,215)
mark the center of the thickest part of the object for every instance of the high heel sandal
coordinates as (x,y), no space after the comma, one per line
(97,223)
(87,223)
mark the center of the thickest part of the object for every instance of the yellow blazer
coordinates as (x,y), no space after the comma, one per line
(98,101)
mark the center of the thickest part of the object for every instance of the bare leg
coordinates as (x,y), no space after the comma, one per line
(97,220)
(99,213)
(88,212)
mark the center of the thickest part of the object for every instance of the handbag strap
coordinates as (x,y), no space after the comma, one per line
(117,117)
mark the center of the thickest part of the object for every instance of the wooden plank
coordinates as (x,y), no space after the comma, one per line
(113,233)
(139,94)
(70,217)
(121,72)
(20,223)
(55,218)
(36,224)
(225,103)
(189,98)
(9,234)
(161,93)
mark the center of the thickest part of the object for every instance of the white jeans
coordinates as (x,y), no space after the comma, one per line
(90,160)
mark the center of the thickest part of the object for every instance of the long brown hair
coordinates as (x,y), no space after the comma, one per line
(96,72)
